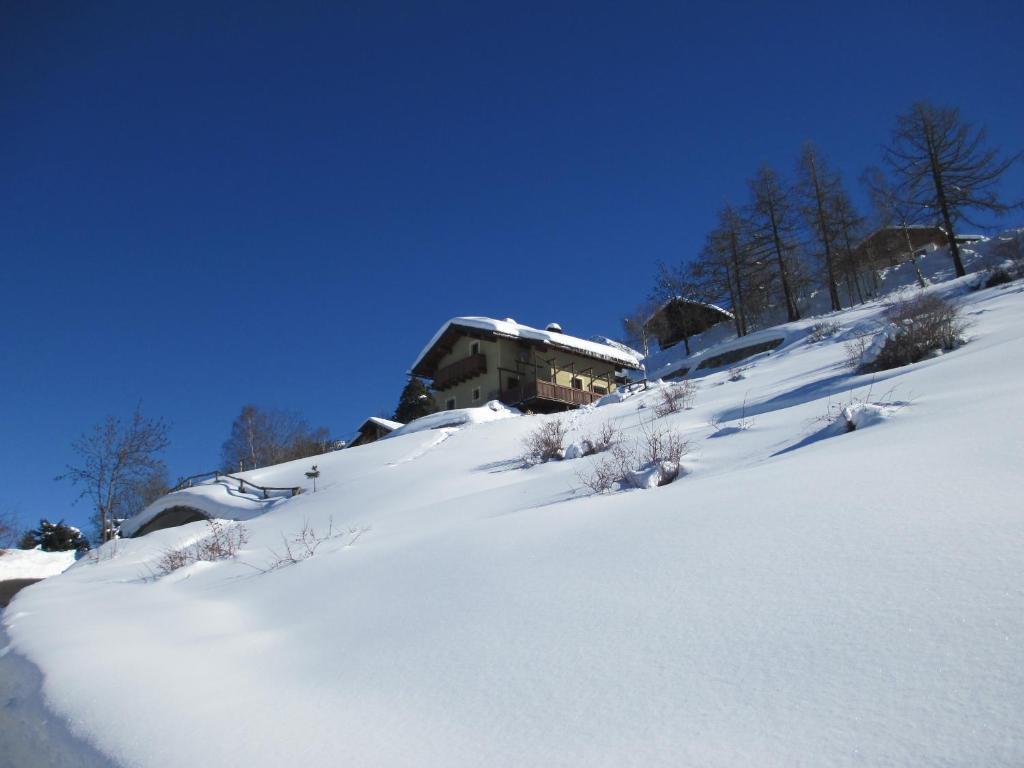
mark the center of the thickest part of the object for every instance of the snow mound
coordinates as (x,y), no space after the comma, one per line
(33,563)
(495,410)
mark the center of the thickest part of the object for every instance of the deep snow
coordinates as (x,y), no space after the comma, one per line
(803,595)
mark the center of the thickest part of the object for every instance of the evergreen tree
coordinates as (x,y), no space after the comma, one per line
(54,537)
(416,401)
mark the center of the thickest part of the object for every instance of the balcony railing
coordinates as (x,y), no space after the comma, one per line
(546,391)
(460,370)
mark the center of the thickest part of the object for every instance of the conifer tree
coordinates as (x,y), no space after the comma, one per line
(941,163)
(55,537)
(415,401)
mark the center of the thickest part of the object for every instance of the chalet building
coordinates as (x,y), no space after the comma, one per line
(372,430)
(678,319)
(889,246)
(472,360)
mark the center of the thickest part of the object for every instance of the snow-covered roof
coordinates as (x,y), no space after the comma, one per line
(387,424)
(726,314)
(509,328)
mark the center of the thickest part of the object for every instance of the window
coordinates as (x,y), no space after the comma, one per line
(449,404)
(476,394)
(600,390)
(524,356)
(513,382)
(474,348)
(577,383)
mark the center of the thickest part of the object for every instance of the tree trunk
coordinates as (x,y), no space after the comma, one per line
(792,311)
(940,194)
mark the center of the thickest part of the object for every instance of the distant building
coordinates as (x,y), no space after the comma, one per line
(888,246)
(678,319)
(372,430)
(472,360)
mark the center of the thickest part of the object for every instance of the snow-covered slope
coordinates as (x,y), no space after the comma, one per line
(33,563)
(801,596)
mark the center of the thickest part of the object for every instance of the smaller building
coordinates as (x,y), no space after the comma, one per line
(890,246)
(678,319)
(472,360)
(372,430)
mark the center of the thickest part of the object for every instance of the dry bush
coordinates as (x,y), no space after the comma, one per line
(662,449)
(607,437)
(305,543)
(675,397)
(854,351)
(823,330)
(220,543)
(545,443)
(739,373)
(999,276)
(924,323)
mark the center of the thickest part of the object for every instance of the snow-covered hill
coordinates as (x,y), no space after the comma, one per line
(801,596)
(33,563)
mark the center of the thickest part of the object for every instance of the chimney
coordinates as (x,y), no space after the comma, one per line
(554,328)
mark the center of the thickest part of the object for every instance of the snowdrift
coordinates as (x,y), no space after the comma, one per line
(802,594)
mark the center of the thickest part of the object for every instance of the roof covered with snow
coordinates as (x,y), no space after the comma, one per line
(387,424)
(510,329)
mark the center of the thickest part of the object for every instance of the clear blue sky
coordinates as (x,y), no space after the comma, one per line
(203,205)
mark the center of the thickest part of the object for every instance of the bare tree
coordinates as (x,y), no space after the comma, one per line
(638,328)
(727,270)
(774,230)
(141,492)
(113,457)
(261,437)
(941,163)
(8,528)
(893,211)
(850,226)
(817,187)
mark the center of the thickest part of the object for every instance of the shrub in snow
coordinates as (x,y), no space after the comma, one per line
(919,326)
(823,330)
(999,276)
(545,443)
(739,373)
(305,543)
(220,543)
(652,460)
(605,438)
(675,397)
(54,537)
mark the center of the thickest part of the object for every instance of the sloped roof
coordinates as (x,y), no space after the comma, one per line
(387,424)
(710,309)
(487,327)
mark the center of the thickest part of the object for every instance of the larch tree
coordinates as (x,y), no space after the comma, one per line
(941,163)
(893,211)
(727,270)
(112,458)
(774,230)
(817,186)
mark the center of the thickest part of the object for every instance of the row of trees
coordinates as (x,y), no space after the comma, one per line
(120,471)
(791,237)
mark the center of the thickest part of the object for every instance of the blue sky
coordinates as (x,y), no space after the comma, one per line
(203,205)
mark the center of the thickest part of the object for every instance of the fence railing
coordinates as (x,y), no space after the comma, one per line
(188,482)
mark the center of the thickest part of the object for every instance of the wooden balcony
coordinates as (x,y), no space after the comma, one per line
(540,395)
(459,371)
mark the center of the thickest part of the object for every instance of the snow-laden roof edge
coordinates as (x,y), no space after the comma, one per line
(387,424)
(727,315)
(512,330)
